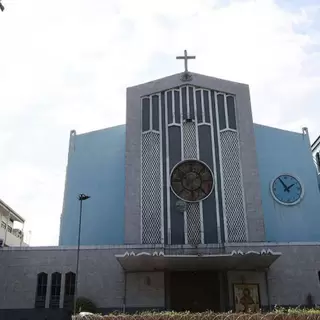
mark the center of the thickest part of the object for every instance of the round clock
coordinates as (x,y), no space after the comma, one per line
(191,180)
(287,189)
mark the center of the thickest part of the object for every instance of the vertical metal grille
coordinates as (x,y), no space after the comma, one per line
(193,223)
(232,185)
(151,188)
(189,140)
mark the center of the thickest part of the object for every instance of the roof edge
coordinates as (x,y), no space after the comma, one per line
(19,218)
(186,82)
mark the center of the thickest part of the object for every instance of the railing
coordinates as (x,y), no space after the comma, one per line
(11,238)
(40,302)
(17,232)
(54,301)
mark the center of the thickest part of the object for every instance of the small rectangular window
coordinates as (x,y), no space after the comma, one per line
(184,103)
(146,114)
(319,276)
(191,102)
(231,112)
(177,106)
(155,113)
(206,106)
(221,111)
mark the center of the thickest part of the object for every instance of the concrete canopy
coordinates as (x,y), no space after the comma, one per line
(158,261)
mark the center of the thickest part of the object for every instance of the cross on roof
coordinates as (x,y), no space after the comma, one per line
(185,58)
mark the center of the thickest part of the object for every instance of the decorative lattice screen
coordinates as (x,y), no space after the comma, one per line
(151,188)
(193,209)
(193,223)
(189,140)
(232,184)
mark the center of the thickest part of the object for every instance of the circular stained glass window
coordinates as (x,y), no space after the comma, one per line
(191,180)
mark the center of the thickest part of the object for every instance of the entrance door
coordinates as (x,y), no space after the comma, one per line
(194,291)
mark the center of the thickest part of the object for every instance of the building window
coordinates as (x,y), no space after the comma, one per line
(70,284)
(318,160)
(55,290)
(319,276)
(69,290)
(41,290)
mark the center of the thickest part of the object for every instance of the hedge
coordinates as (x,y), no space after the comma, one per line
(289,314)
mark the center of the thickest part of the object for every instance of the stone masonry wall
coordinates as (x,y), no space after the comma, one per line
(291,277)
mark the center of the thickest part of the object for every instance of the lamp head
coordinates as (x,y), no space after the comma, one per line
(1,6)
(83,197)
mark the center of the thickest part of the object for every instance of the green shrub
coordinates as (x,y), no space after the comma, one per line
(85,305)
(297,311)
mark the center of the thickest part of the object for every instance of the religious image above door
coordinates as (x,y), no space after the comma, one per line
(192,180)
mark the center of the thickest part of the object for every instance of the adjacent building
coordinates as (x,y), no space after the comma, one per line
(315,147)
(12,226)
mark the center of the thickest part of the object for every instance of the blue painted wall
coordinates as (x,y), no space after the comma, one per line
(279,152)
(96,167)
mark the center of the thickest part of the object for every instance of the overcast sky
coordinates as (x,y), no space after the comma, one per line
(65,64)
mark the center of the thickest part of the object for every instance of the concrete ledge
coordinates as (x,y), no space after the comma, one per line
(163,247)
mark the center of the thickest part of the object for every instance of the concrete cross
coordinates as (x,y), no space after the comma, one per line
(185,58)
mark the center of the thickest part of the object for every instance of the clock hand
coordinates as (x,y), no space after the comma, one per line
(285,187)
(291,185)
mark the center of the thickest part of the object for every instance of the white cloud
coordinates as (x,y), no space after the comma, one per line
(65,65)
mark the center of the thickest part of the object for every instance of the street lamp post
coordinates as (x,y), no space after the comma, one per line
(82,197)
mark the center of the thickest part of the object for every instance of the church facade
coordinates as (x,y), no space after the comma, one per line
(193,207)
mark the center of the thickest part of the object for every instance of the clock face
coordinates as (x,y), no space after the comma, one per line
(287,189)
(191,180)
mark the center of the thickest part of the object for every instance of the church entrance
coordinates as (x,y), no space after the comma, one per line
(194,291)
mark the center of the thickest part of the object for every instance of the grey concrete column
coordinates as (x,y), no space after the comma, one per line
(62,290)
(48,295)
